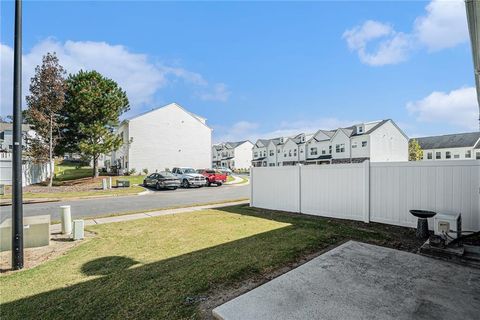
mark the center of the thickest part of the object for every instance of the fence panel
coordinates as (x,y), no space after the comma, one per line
(31,172)
(275,188)
(440,186)
(336,190)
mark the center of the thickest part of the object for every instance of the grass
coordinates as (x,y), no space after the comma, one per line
(230,178)
(161,267)
(69,171)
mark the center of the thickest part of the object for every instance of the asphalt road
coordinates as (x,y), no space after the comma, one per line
(155,200)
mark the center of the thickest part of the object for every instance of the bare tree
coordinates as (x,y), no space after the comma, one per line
(45,102)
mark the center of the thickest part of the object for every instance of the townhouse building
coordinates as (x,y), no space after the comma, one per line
(232,155)
(375,141)
(458,146)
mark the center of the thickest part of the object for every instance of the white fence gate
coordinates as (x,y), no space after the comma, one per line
(31,172)
(380,192)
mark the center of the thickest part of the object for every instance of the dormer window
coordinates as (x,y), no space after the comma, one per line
(360,129)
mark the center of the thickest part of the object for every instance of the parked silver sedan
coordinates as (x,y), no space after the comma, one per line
(162,180)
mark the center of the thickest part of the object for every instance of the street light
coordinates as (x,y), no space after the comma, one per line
(473,18)
(17,201)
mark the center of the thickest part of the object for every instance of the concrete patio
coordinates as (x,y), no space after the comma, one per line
(361,281)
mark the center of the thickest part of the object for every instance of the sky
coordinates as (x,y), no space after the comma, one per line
(264,69)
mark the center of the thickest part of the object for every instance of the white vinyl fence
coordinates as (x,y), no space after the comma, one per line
(381,192)
(31,172)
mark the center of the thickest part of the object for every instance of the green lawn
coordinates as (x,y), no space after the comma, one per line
(158,268)
(68,171)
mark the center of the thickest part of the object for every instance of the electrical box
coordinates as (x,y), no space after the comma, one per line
(448,224)
(78,229)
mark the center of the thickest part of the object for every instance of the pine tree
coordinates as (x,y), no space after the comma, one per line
(93,105)
(45,102)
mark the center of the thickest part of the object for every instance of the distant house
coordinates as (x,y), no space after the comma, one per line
(6,136)
(164,137)
(233,155)
(458,146)
(375,141)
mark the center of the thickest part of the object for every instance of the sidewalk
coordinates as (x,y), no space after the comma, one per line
(88,222)
(238,180)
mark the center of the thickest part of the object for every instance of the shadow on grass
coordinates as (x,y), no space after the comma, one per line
(165,289)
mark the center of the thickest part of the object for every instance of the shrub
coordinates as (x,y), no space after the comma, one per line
(145,171)
(132,171)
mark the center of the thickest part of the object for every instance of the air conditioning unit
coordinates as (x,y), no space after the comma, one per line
(448,224)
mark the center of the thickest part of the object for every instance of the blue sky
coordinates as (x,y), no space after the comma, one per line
(262,69)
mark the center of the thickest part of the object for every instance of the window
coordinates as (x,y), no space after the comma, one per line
(278,151)
(255,154)
(272,152)
(324,151)
(290,152)
(429,155)
(456,156)
(339,148)
(313,151)
(468,154)
(360,129)
(295,152)
(271,164)
(329,149)
(448,155)
(364,144)
(354,145)
(477,155)
(438,155)
(301,150)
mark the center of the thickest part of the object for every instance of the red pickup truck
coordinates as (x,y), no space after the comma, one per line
(213,177)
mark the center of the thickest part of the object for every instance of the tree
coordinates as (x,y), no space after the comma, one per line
(415,152)
(93,105)
(45,102)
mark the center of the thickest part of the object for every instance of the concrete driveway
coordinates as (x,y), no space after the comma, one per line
(361,281)
(155,200)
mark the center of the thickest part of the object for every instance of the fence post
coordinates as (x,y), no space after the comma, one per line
(251,186)
(299,188)
(366,191)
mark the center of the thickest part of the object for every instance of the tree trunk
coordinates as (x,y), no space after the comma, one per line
(50,151)
(95,165)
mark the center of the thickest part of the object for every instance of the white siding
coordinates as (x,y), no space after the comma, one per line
(166,138)
(461,152)
(387,143)
(340,138)
(243,155)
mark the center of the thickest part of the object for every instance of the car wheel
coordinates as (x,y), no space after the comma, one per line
(219,184)
(144,183)
(185,183)
(157,186)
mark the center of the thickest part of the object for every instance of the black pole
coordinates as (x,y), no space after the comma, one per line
(17,201)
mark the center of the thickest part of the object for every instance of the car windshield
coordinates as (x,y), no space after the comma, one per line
(166,174)
(189,170)
(210,171)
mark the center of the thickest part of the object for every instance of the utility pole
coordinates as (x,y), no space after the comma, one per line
(473,19)
(17,201)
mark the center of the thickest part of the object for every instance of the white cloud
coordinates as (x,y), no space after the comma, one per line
(134,72)
(443,26)
(393,47)
(457,107)
(245,130)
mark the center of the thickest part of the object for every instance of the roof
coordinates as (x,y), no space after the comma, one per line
(9,126)
(235,144)
(173,104)
(456,140)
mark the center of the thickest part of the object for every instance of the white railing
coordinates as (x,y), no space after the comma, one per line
(380,192)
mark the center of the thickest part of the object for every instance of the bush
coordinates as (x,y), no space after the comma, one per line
(132,172)
(145,171)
